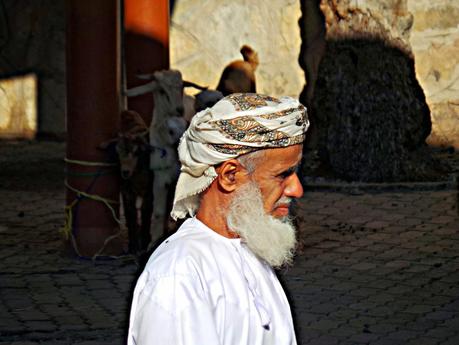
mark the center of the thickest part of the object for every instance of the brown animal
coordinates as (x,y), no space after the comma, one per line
(239,75)
(133,151)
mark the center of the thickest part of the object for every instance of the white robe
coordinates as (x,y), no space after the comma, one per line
(201,288)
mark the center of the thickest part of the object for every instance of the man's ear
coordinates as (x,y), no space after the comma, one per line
(231,174)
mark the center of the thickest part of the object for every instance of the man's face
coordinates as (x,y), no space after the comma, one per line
(276,177)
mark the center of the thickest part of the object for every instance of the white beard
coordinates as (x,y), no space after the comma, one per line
(270,238)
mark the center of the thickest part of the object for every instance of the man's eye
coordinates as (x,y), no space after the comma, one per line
(287,173)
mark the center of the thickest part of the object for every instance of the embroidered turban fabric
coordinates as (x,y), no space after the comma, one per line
(235,125)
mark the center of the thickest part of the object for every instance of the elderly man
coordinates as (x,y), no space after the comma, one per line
(212,281)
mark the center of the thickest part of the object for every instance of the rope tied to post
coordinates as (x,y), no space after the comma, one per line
(68,229)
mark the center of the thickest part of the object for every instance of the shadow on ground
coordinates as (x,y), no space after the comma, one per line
(376,266)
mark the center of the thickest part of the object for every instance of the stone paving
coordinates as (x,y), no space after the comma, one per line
(375,267)
(378,268)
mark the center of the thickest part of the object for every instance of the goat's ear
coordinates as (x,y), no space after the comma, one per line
(106,144)
(196,86)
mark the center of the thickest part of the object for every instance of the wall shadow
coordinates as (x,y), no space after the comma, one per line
(371,114)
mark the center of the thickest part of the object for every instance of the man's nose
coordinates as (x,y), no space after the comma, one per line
(293,188)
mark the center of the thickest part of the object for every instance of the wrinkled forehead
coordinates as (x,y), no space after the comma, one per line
(291,154)
(276,159)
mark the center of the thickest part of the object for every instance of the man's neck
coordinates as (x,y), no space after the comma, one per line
(214,219)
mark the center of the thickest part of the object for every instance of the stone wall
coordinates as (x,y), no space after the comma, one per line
(388,19)
(435,43)
(207,35)
(32,39)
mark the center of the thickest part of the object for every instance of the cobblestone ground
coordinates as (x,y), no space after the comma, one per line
(374,268)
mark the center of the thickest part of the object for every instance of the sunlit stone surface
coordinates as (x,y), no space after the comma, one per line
(18,107)
(435,44)
(207,35)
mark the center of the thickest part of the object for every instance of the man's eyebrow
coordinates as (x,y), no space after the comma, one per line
(290,170)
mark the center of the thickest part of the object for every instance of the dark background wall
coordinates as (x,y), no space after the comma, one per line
(32,39)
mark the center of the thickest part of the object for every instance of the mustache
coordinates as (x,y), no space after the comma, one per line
(285,200)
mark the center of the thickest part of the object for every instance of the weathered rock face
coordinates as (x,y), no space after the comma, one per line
(388,19)
(32,39)
(207,35)
(435,44)
(370,114)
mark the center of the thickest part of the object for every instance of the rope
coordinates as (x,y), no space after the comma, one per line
(89,174)
(67,229)
(68,225)
(90,164)
(96,197)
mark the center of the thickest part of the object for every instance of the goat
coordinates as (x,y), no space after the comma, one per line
(167,126)
(239,76)
(133,152)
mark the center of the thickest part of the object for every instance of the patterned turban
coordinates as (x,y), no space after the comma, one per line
(235,125)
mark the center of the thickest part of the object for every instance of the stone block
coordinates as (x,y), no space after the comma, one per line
(419,309)
(440,333)
(364,338)
(403,335)
(440,315)
(40,326)
(324,340)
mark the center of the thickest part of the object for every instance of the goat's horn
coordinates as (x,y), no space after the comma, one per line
(196,86)
(146,76)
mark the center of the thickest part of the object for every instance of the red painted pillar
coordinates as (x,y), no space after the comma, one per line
(93,87)
(146,46)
